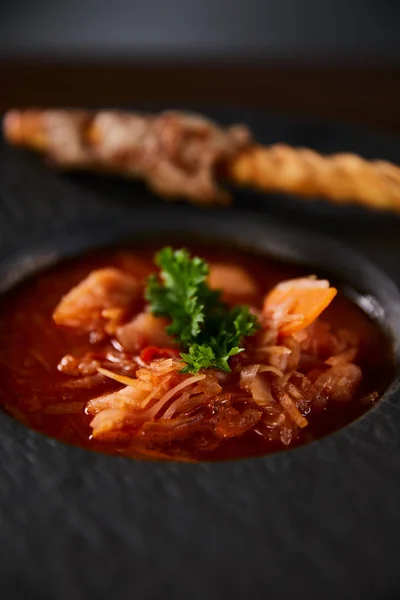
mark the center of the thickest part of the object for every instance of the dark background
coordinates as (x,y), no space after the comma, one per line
(187,29)
(339,59)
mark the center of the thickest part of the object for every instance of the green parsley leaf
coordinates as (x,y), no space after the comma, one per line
(199,357)
(201,323)
(183,296)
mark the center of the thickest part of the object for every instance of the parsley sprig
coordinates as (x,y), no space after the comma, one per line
(205,327)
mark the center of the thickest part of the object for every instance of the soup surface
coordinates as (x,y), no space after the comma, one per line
(97,368)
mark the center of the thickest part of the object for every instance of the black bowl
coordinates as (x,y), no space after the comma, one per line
(321,521)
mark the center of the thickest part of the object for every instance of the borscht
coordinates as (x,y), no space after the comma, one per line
(186,354)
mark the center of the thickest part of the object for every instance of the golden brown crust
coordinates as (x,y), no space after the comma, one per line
(341,178)
(25,129)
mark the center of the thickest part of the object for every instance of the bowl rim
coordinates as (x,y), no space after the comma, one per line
(266,236)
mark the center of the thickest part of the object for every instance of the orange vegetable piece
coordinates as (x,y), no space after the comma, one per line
(296,303)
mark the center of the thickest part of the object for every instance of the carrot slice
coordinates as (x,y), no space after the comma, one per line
(295,304)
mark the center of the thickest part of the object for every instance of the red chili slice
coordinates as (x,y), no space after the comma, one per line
(152,352)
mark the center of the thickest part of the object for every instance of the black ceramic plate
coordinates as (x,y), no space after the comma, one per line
(322,521)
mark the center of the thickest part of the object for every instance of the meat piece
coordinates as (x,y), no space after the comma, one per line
(101,299)
(339,383)
(176,153)
(144,330)
(234,281)
(58,133)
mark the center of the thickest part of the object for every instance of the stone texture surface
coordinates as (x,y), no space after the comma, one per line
(319,522)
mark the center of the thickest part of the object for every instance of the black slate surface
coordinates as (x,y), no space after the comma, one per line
(318,522)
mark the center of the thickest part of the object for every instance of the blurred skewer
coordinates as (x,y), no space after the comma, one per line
(185,156)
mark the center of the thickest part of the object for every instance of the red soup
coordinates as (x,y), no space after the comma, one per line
(95,354)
